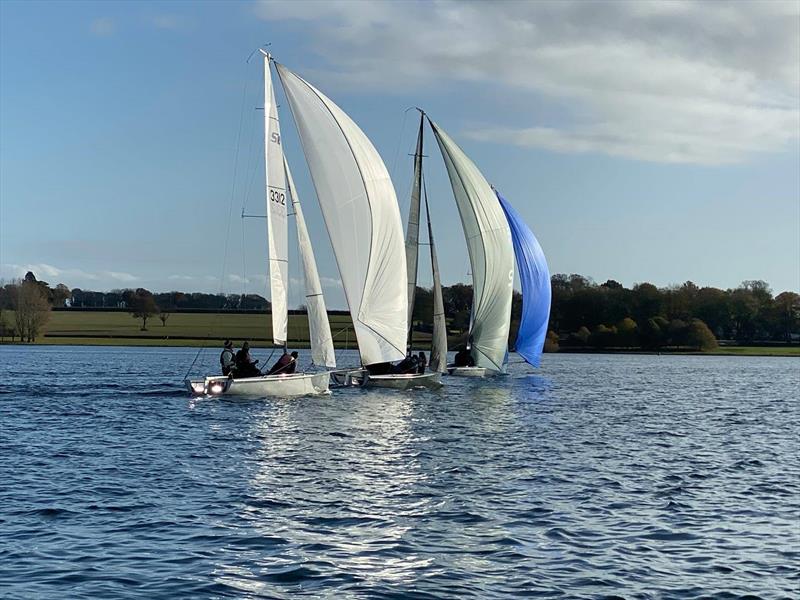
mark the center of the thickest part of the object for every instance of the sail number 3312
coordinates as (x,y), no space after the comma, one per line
(277,196)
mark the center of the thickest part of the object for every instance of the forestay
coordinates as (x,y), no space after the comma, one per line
(319,329)
(277,226)
(491,255)
(361,215)
(535,278)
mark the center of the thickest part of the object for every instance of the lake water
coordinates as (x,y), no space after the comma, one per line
(596,476)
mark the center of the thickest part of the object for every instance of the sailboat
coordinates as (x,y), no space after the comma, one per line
(491,257)
(535,279)
(361,215)
(438,351)
(280,187)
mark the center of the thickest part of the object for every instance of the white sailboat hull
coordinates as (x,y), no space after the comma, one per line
(397,381)
(472,372)
(405,381)
(275,386)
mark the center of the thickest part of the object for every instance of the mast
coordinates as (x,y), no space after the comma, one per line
(412,231)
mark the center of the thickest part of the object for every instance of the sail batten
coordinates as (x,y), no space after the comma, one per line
(361,215)
(534,276)
(490,252)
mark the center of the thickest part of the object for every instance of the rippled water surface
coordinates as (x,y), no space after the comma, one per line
(626,476)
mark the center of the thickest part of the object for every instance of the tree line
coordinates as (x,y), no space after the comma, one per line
(583,313)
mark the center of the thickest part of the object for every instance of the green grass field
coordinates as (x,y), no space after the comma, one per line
(197,329)
(185,329)
(756,351)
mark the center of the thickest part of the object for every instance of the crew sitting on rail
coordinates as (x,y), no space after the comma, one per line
(407,365)
(245,366)
(226,359)
(286,364)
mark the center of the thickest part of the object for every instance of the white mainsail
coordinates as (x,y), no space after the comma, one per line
(319,329)
(361,215)
(491,255)
(277,226)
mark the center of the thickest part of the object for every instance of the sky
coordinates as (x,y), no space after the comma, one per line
(641,141)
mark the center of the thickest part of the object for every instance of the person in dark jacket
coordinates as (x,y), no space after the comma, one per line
(245,366)
(226,359)
(286,365)
(407,365)
(464,358)
(422,363)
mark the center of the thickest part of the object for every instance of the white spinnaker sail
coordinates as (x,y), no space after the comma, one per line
(277,226)
(319,329)
(491,254)
(362,217)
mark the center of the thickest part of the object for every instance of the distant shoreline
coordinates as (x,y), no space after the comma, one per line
(154,342)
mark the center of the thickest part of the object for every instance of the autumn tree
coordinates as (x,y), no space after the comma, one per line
(627,333)
(699,336)
(31,309)
(164,316)
(551,342)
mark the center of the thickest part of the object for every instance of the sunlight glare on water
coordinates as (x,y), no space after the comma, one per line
(598,475)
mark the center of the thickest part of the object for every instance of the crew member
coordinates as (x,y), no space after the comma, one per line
(226,359)
(246,366)
(286,364)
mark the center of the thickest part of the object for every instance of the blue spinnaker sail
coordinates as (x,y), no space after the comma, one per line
(535,278)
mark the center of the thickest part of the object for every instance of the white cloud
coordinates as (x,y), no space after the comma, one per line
(103,26)
(693,82)
(330,282)
(118,276)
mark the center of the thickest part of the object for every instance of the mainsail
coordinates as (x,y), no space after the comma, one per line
(491,255)
(535,278)
(361,215)
(277,226)
(319,329)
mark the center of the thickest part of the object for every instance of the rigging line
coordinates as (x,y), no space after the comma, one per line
(196,356)
(399,141)
(233,188)
(252,170)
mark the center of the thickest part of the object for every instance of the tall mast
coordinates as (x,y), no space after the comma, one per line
(412,231)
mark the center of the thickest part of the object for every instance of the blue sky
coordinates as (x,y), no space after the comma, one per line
(642,142)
